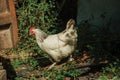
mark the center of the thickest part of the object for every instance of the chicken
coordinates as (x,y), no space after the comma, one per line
(57,46)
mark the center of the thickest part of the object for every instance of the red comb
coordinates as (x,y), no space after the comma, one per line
(31,28)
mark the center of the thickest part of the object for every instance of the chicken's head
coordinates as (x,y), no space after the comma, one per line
(31,31)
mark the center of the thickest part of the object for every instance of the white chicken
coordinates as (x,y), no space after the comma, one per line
(57,46)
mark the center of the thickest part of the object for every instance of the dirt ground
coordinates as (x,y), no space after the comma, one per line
(84,62)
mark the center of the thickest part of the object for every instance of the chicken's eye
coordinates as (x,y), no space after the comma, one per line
(31,32)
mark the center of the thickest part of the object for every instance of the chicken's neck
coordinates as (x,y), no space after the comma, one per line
(40,36)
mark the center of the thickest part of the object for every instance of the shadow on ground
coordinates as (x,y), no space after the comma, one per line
(11,74)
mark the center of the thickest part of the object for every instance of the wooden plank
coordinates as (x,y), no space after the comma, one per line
(6,37)
(3,6)
(3,75)
(5,18)
(14,22)
(1,67)
(9,34)
(0,63)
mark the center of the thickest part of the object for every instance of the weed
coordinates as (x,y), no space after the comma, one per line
(61,73)
(17,78)
(111,71)
(103,77)
(41,14)
(32,62)
(33,13)
(16,63)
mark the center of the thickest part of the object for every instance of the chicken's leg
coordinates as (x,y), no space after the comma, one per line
(71,58)
(51,66)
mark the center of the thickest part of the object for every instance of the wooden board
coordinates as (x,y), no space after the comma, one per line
(6,37)
(8,24)
(3,75)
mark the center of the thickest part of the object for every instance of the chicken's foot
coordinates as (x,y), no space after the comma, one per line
(71,58)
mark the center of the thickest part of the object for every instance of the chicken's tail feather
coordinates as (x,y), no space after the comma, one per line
(70,24)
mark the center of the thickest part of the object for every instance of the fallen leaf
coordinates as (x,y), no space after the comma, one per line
(85,55)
